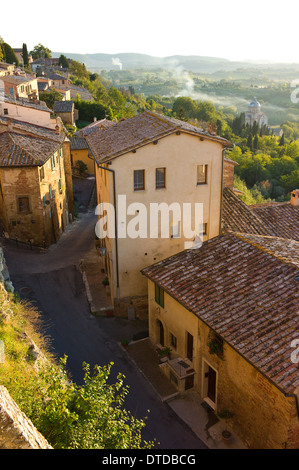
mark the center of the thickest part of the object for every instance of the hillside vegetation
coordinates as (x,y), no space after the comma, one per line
(91,416)
(267,164)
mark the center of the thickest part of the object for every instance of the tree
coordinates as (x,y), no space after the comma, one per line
(63,61)
(9,55)
(184,107)
(25,55)
(40,51)
(89,109)
(2,57)
(88,416)
(50,96)
(281,142)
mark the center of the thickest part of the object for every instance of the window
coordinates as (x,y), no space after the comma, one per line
(160,178)
(202,174)
(204,228)
(53,162)
(173,341)
(42,173)
(50,191)
(175,230)
(138,180)
(23,204)
(10,91)
(6,111)
(60,186)
(159,295)
(44,201)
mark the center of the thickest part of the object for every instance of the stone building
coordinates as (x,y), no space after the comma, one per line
(19,86)
(254,114)
(154,159)
(66,111)
(229,313)
(36,201)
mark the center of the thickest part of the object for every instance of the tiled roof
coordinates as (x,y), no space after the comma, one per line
(241,288)
(95,126)
(140,130)
(17,79)
(78,143)
(274,219)
(23,150)
(282,219)
(63,106)
(29,129)
(56,76)
(40,105)
(237,216)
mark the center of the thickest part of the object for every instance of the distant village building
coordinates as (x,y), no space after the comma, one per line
(254,114)
(35,112)
(66,111)
(19,55)
(36,202)
(20,86)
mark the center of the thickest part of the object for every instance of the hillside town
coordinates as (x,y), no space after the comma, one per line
(220,300)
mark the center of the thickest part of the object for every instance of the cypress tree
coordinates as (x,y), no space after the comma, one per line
(10,56)
(25,56)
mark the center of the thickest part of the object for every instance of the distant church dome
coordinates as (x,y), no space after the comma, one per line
(255,104)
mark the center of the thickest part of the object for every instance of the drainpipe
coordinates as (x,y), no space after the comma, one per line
(115,218)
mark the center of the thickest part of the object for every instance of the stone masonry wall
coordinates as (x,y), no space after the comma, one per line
(16,430)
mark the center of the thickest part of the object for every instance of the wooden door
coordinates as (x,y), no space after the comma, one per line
(212,384)
(161,333)
(189,346)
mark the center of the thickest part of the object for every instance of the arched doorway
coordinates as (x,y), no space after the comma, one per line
(160,332)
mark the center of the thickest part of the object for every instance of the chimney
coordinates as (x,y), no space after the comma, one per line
(295,198)
(57,129)
(94,119)
(9,124)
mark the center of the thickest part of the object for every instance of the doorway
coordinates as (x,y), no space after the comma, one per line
(209,384)
(160,332)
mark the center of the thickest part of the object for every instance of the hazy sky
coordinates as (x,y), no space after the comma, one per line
(236,30)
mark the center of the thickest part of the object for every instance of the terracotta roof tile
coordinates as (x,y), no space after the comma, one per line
(237,216)
(137,131)
(23,150)
(245,288)
(282,219)
(78,143)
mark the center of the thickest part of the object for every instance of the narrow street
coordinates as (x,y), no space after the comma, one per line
(53,282)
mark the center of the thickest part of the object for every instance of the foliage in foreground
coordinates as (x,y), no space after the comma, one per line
(89,416)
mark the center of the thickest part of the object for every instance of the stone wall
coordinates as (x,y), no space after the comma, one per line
(228,174)
(16,430)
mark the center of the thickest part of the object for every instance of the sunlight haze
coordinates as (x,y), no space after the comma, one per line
(264,31)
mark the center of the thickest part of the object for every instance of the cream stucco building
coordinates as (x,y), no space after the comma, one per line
(145,160)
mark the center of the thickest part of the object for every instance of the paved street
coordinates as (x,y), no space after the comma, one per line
(54,283)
